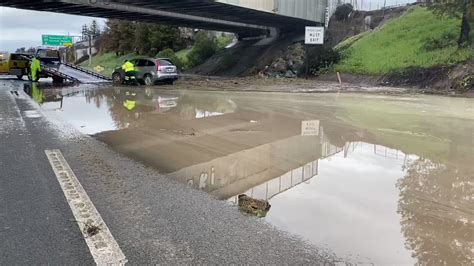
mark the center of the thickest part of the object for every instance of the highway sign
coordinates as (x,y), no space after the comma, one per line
(57,40)
(314,35)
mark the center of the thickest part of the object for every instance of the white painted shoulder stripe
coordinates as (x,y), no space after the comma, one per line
(101,243)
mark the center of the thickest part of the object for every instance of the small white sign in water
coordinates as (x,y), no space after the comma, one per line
(310,128)
(31,114)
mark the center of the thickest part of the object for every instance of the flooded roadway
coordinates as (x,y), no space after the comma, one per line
(376,179)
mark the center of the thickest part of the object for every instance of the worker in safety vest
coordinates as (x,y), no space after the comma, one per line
(129,69)
(34,91)
(37,93)
(35,67)
(130,103)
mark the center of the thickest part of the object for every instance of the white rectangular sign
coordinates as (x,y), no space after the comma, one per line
(310,128)
(314,35)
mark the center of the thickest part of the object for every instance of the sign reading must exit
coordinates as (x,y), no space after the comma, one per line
(57,40)
(314,35)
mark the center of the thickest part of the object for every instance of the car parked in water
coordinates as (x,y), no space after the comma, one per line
(149,71)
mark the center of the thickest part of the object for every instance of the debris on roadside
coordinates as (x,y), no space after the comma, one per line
(91,229)
(252,206)
(289,65)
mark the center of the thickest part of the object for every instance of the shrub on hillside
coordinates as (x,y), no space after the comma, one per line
(205,45)
(343,12)
(224,40)
(434,43)
(323,58)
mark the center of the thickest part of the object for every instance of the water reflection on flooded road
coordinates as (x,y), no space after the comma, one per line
(350,202)
(386,180)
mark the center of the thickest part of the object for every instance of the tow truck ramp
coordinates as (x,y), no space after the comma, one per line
(81,75)
(73,73)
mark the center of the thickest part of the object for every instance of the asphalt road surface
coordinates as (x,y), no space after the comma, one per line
(152,218)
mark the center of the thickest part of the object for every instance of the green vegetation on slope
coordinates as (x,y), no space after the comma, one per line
(183,56)
(416,39)
(224,40)
(347,43)
(206,44)
(109,61)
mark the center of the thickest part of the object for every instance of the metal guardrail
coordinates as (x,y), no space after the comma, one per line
(89,72)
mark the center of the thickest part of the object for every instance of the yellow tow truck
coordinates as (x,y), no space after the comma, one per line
(14,64)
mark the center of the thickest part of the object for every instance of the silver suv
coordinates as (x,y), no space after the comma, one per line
(149,71)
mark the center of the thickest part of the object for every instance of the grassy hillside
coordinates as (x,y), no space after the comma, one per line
(417,38)
(109,61)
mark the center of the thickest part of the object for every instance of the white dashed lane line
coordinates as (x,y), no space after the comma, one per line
(101,243)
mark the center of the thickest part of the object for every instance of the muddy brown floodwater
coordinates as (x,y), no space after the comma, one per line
(377,179)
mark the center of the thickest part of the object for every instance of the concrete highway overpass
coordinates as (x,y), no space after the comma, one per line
(244,17)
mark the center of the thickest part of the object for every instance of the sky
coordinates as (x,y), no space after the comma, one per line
(23,28)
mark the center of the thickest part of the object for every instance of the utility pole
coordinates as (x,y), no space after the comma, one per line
(90,49)
(65,51)
(73,53)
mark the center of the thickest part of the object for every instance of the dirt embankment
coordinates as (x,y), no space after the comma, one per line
(246,58)
(458,79)
(440,79)
(286,85)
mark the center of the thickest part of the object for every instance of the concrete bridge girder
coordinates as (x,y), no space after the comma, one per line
(202,14)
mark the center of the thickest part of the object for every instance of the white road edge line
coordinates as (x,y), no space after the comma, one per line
(101,243)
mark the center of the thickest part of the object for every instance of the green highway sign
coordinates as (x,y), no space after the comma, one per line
(57,40)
